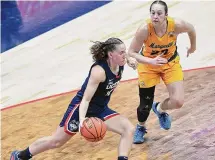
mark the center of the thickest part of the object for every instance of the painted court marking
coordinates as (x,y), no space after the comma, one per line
(65,93)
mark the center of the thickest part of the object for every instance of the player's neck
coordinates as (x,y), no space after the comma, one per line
(161,27)
(113,67)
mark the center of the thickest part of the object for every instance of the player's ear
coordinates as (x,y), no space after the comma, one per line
(110,55)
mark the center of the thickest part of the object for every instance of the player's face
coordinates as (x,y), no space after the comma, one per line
(118,55)
(157,14)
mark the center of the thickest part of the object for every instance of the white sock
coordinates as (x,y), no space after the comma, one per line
(142,125)
(159,108)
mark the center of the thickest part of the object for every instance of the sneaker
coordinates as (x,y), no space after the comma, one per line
(164,118)
(14,155)
(139,134)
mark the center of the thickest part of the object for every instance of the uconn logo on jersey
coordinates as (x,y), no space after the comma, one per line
(111,86)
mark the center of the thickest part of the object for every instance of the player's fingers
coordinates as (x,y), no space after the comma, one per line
(162,61)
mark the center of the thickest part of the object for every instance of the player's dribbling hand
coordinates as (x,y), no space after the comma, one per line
(158,60)
(81,123)
(190,50)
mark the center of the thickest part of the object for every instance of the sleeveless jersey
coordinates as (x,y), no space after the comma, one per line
(103,93)
(155,45)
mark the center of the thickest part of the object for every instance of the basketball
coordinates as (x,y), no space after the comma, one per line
(93,129)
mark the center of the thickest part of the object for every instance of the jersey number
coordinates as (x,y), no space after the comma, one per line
(163,52)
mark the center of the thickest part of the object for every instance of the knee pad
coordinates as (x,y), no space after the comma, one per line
(146,99)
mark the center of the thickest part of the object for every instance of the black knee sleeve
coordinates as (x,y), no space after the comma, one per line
(146,99)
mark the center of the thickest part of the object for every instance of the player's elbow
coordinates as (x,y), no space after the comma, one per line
(191,29)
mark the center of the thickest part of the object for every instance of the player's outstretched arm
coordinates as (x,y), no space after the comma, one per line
(182,26)
(97,75)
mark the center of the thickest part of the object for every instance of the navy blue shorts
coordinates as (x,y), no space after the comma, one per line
(70,121)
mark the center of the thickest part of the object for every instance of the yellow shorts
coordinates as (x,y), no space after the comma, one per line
(149,75)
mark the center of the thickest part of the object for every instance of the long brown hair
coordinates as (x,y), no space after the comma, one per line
(100,50)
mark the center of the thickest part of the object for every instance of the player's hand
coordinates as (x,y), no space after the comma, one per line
(190,51)
(158,60)
(132,62)
(81,123)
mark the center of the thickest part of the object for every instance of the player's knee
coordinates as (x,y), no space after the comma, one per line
(129,130)
(146,100)
(55,143)
(143,112)
(178,102)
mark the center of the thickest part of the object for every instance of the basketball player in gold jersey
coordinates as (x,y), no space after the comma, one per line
(154,47)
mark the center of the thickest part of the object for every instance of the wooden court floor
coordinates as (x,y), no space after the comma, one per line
(192,136)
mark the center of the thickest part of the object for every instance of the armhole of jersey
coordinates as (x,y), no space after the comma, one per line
(149,27)
(171,23)
(101,67)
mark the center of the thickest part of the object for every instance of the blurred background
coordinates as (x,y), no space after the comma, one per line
(24,20)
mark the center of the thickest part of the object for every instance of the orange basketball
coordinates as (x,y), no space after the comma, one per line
(93,129)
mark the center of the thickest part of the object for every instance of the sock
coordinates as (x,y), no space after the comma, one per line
(122,158)
(159,108)
(142,125)
(25,154)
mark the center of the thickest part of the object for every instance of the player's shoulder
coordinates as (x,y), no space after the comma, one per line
(143,28)
(178,21)
(97,68)
(180,25)
(98,72)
